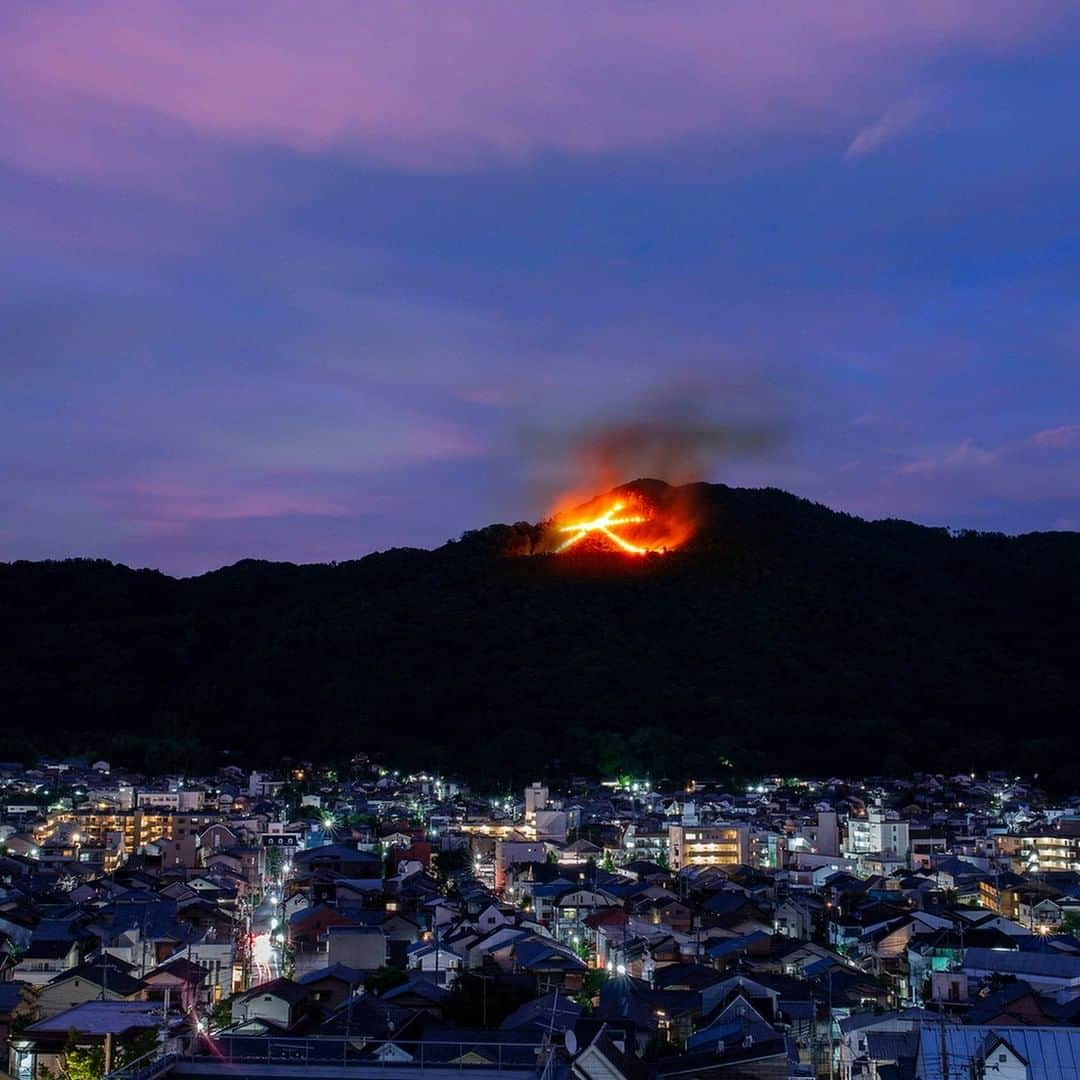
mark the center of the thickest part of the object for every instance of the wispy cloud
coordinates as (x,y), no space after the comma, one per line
(963,455)
(1059,437)
(893,122)
(436,85)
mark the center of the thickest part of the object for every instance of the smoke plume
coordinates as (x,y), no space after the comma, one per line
(680,434)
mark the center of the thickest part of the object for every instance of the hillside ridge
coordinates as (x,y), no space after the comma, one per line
(782,636)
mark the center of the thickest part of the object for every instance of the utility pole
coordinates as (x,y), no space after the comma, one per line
(830,1024)
(944,1041)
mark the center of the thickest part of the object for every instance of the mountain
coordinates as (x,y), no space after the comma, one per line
(777,635)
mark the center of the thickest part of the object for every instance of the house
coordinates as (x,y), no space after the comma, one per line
(104,979)
(330,987)
(601,1059)
(46,958)
(574,906)
(278,1004)
(870,1041)
(94,1023)
(797,915)
(363,948)
(305,926)
(1049,972)
(418,995)
(436,962)
(180,982)
(1014,1004)
(662,908)
(1007,1053)
(345,861)
(542,1014)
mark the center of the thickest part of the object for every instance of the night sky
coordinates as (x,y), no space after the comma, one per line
(305,280)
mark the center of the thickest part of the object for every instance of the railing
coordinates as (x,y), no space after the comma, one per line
(152,1064)
(383,1054)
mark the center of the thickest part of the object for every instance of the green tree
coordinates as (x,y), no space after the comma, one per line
(88,1062)
(591,982)
(81,1062)
(1070,924)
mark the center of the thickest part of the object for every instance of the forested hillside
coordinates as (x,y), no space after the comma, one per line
(782,636)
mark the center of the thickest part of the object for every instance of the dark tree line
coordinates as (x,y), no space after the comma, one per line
(785,637)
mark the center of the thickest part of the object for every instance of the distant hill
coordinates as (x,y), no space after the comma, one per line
(781,636)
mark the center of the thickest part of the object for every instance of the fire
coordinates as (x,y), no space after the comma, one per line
(643,518)
(603,524)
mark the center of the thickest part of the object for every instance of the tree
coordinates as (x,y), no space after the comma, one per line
(591,982)
(221,1015)
(385,978)
(137,1046)
(1070,924)
(485,999)
(88,1062)
(451,864)
(80,1062)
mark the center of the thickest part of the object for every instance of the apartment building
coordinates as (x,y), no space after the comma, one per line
(878,833)
(1053,848)
(709,845)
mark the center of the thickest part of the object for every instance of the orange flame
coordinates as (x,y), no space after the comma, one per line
(624,521)
(603,525)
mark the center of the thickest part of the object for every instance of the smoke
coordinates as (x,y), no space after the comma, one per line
(681,433)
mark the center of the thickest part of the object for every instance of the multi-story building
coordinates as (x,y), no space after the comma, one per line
(877,833)
(536,798)
(648,842)
(709,845)
(1054,848)
(189,800)
(1002,893)
(134,829)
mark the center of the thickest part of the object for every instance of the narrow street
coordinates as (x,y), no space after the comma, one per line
(266,952)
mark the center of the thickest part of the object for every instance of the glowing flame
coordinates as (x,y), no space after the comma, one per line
(603,524)
(645,517)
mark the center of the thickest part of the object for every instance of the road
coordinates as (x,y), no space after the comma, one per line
(266,953)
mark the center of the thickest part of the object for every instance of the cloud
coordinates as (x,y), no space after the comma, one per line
(1059,437)
(967,453)
(915,468)
(892,123)
(436,85)
(165,506)
(964,455)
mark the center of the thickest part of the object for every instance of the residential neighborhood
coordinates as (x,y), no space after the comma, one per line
(875,929)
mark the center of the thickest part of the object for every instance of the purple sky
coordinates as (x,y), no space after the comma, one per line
(303,280)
